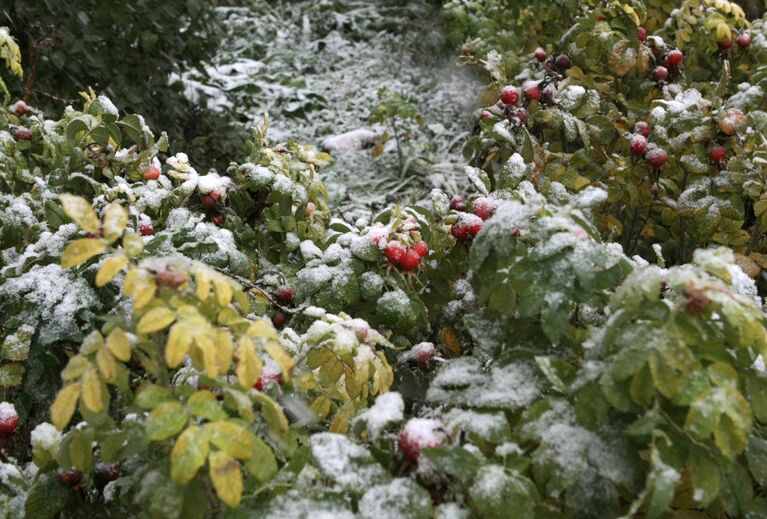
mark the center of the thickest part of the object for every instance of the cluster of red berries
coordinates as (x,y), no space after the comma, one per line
(639,145)
(743,41)
(212,201)
(671,64)
(468,224)
(407,258)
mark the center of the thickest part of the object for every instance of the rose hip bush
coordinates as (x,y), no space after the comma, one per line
(581,334)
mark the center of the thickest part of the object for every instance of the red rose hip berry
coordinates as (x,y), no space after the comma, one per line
(642,128)
(675,58)
(9,418)
(641,34)
(394,252)
(484,208)
(423,354)
(743,40)
(278,319)
(638,144)
(421,248)
(532,91)
(717,154)
(22,108)
(510,95)
(22,134)
(725,44)
(660,74)
(146,229)
(70,478)
(418,434)
(540,54)
(485,115)
(285,295)
(410,260)
(563,61)
(657,157)
(151,173)
(457,203)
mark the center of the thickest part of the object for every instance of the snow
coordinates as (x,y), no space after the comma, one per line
(462,381)
(350,465)
(53,300)
(46,437)
(389,408)
(295,504)
(684,101)
(7,411)
(399,498)
(109,106)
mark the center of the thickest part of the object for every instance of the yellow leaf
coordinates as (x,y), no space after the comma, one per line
(203,285)
(145,290)
(81,212)
(321,407)
(208,349)
(226,477)
(281,357)
(110,268)
(75,368)
(132,244)
(224,291)
(248,363)
(92,343)
(81,250)
(92,391)
(224,349)
(107,365)
(179,340)
(263,328)
(119,345)
(188,454)
(129,283)
(115,221)
(64,406)
(155,320)
(231,438)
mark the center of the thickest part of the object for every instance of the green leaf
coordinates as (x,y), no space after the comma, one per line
(81,450)
(500,494)
(188,454)
(756,454)
(705,477)
(11,375)
(454,461)
(231,438)
(165,421)
(262,464)
(150,396)
(203,404)
(46,498)
(664,480)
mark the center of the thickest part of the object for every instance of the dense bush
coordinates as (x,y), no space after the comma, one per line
(583,335)
(128,52)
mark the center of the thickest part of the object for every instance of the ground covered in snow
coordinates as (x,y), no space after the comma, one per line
(316,68)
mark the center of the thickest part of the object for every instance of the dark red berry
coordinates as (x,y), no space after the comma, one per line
(484,207)
(485,115)
(410,260)
(540,54)
(207,201)
(717,154)
(460,231)
(743,40)
(106,472)
(22,134)
(151,173)
(660,74)
(423,354)
(70,478)
(457,203)
(563,61)
(532,91)
(278,319)
(642,128)
(285,295)
(725,44)
(22,108)
(510,95)
(518,116)
(549,95)
(474,227)
(421,248)
(394,252)
(638,144)
(146,229)
(9,418)
(641,34)
(218,219)
(657,157)
(675,58)
(419,433)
